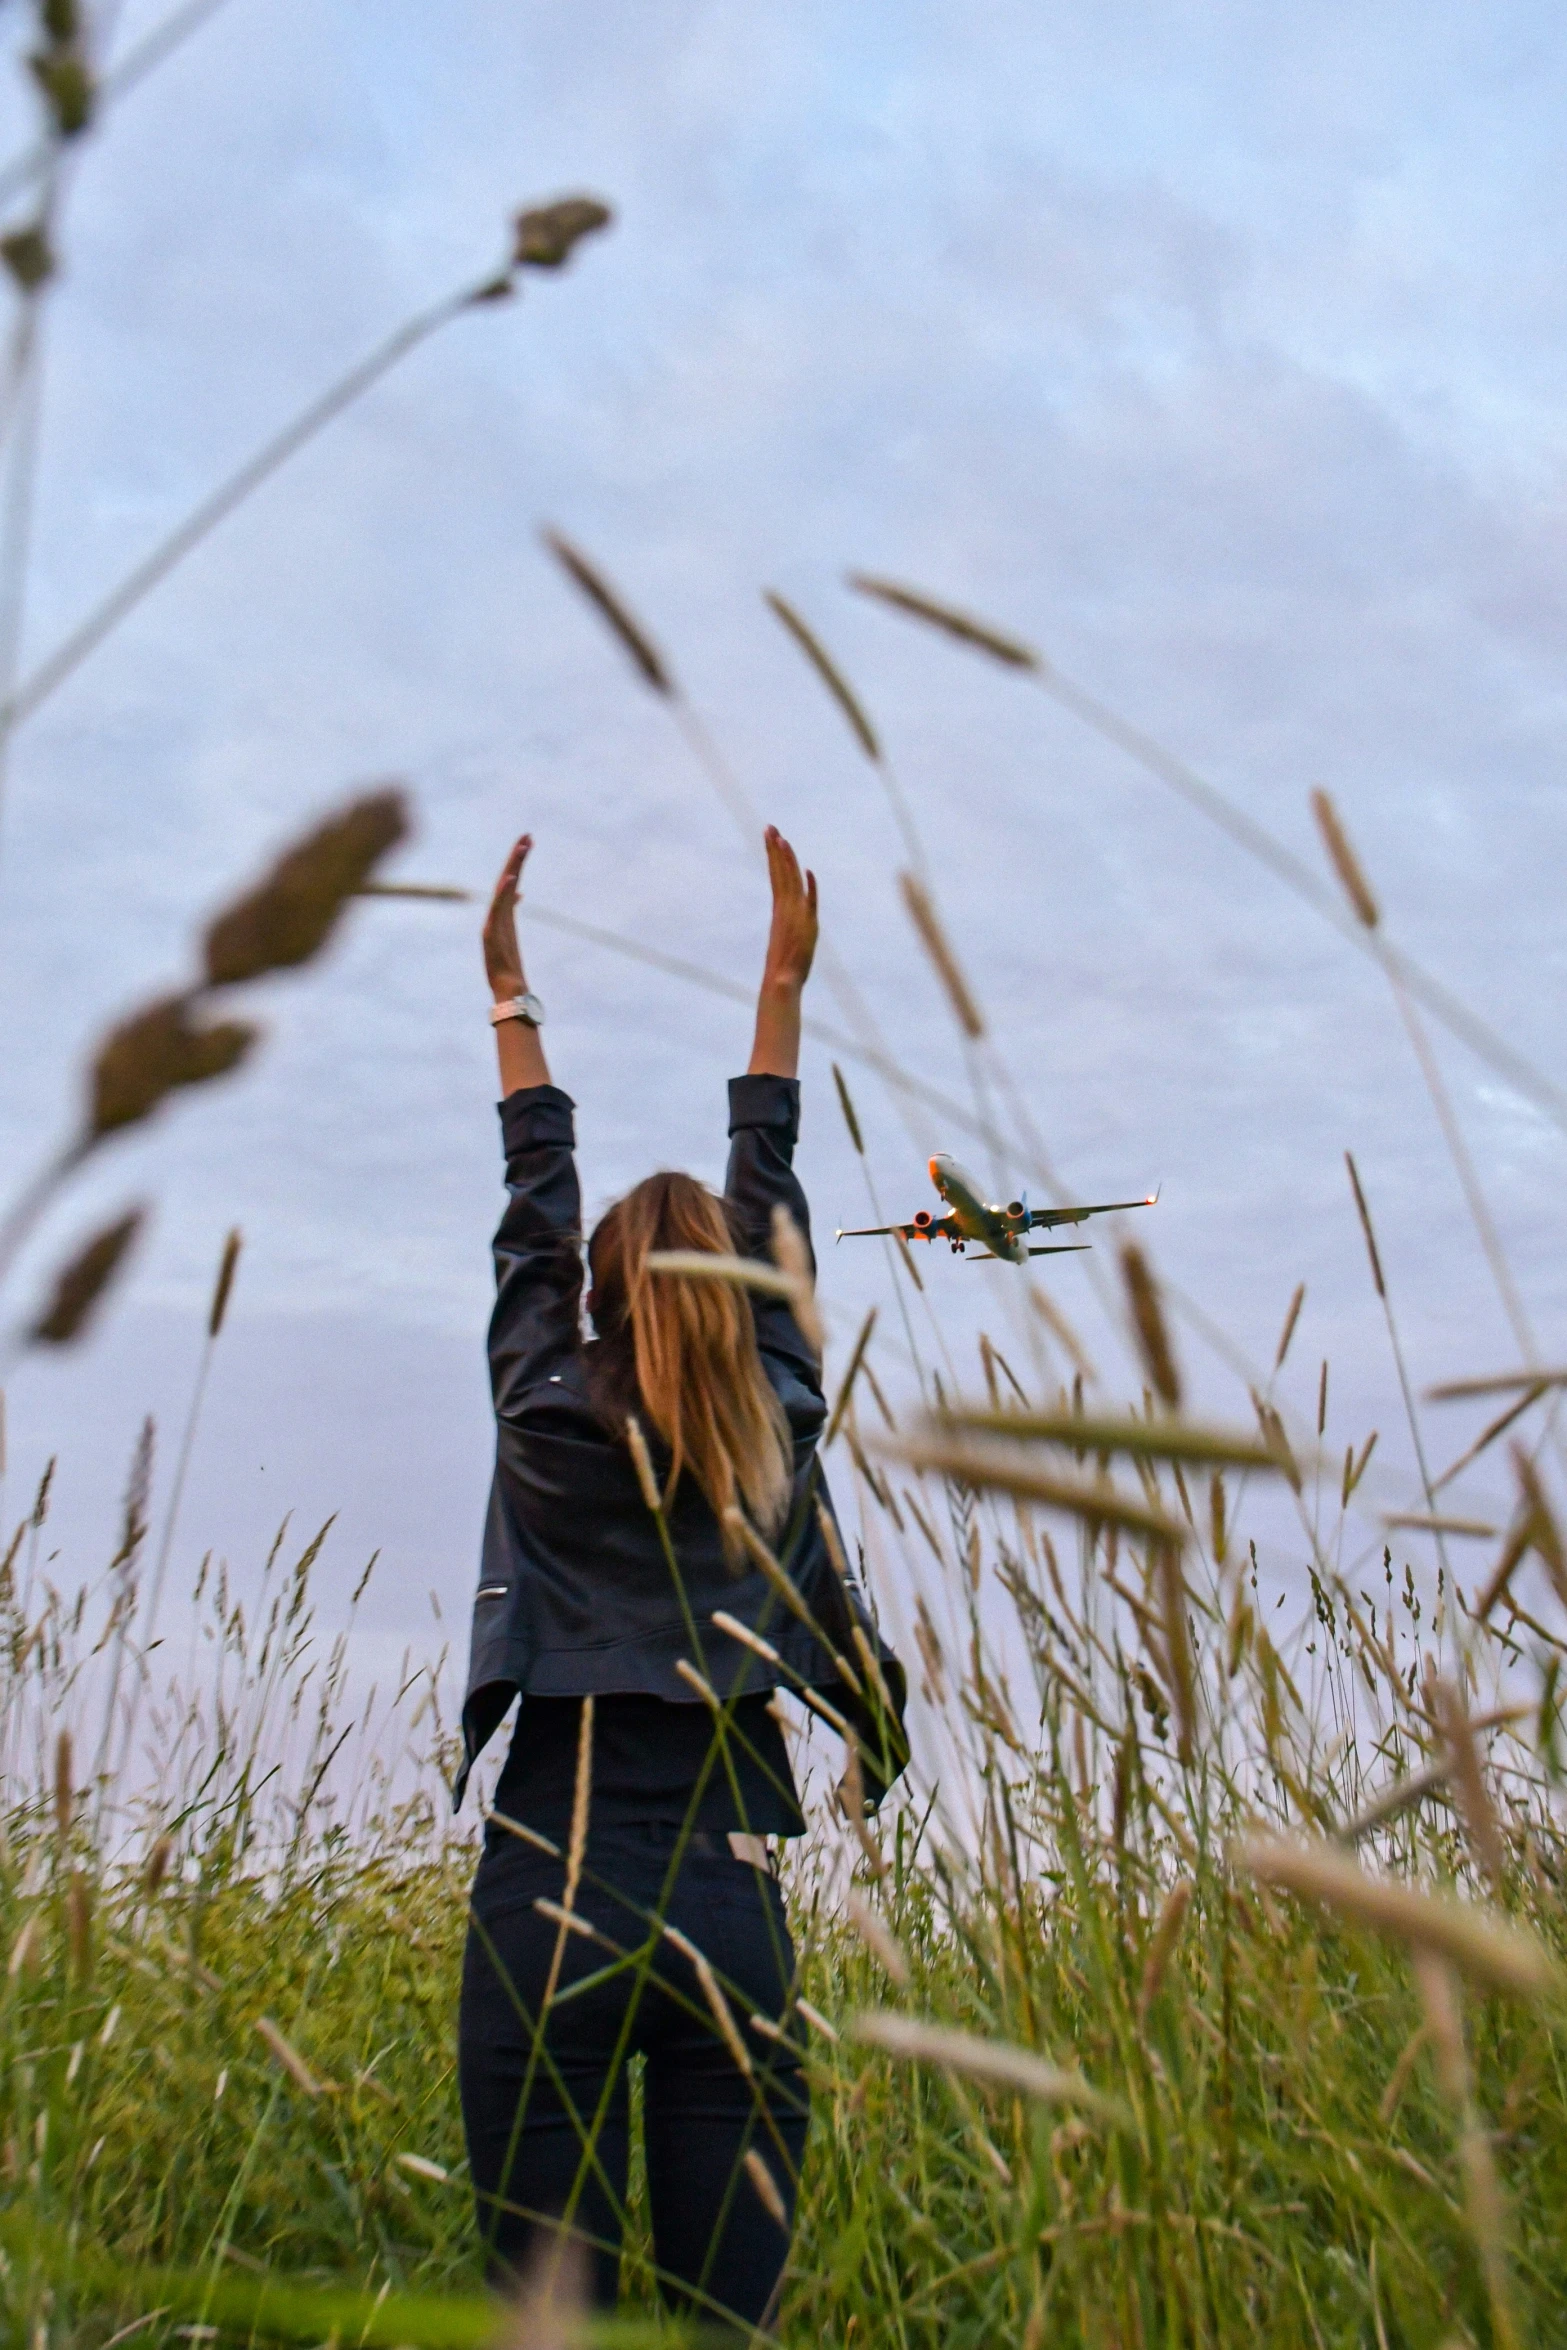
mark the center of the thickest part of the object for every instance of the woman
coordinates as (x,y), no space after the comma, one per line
(647,1478)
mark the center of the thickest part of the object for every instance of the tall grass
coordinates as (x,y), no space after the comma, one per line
(1194,2105)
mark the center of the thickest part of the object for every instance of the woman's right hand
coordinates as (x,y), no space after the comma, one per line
(502,955)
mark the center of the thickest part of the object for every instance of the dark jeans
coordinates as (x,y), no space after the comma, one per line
(548,2116)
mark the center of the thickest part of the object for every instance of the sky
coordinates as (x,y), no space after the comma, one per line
(1216,352)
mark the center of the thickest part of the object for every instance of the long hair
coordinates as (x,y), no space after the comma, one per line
(686,1351)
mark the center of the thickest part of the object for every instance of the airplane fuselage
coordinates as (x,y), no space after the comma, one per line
(1000,1230)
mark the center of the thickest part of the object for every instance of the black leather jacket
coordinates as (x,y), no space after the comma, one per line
(575,1594)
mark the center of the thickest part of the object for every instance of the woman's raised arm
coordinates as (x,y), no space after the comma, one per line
(791,945)
(518,1044)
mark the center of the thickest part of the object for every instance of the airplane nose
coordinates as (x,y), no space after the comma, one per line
(935,1170)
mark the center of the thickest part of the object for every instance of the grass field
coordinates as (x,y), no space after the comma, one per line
(1211,2093)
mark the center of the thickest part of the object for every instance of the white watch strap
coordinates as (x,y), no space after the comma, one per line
(518,1007)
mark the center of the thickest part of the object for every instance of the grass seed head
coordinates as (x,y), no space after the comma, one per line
(980,633)
(292,911)
(922,913)
(642,1462)
(546,235)
(82,1284)
(1153,1339)
(1489,1949)
(228,1265)
(878,1939)
(830,674)
(632,637)
(1161,1947)
(64,1787)
(156,1052)
(1344,860)
(766,2187)
(289,2058)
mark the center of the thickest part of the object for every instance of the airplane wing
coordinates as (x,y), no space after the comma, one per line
(941,1228)
(1106,1207)
(1068,1248)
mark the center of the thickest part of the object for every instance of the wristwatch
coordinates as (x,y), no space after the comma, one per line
(518,1007)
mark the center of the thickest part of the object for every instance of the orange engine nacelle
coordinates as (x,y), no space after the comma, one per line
(923,1219)
(1015,1207)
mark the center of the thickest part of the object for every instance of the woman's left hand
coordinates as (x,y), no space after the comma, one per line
(502,955)
(791,942)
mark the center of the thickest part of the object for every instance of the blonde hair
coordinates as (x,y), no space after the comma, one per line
(689,1349)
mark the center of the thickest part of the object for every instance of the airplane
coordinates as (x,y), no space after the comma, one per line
(999,1231)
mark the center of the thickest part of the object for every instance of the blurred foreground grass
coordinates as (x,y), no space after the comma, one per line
(228,2025)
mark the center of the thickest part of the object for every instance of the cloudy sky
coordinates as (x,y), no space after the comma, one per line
(1216,352)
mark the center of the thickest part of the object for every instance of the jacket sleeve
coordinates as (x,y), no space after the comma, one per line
(538,1245)
(764,1125)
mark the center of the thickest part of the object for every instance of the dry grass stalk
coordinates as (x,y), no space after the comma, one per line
(1344,860)
(969,631)
(694,1680)
(906,1254)
(1153,1339)
(566,1919)
(846,1104)
(851,1373)
(440,893)
(419,2166)
(1218,1530)
(783,1586)
(1161,1947)
(817,2021)
(878,1939)
(642,1462)
(157,1867)
(550,2307)
(1288,1331)
(1491,1950)
(1483,1828)
(934,939)
(997,2061)
(829,673)
(1413,1788)
(64,1788)
(634,640)
(745,1272)
(1483,2200)
(1154,1440)
(544,236)
(1061,1330)
(524,1835)
(722,1621)
(26,1949)
(291,913)
(222,1289)
(1434,1522)
(1486,1438)
(850,1799)
(78,1924)
(718,2005)
(289,2058)
(1000,1467)
(792,1257)
(1398,2078)
(766,2187)
(1364,1214)
(81,1285)
(1544,1533)
(1506,1383)
(1170,1584)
